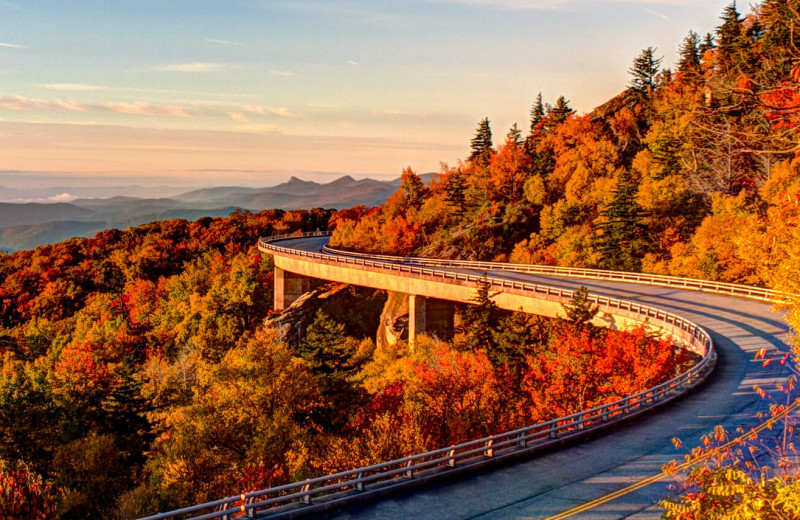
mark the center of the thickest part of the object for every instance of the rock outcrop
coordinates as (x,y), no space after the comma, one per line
(612,106)
(291,324)
(394,320)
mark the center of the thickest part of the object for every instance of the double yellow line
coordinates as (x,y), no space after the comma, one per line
(683,467)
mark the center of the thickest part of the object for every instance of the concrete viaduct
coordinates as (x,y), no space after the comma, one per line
(600,451)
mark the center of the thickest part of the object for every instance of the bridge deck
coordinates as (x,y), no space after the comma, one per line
(557,481)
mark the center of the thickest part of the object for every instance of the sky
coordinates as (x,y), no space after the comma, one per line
(249,92)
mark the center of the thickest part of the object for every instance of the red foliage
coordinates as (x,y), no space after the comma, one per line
(24,495)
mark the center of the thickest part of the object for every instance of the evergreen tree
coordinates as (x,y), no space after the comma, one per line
(329,353)
(482,143)
(515,134)
(560,112)
(323,345)
(478,320)
(623,236)
(644,71)
(455,188)
(706,45)
(537,113)
(518,336)
(580,311)
(731,37)
(689,62)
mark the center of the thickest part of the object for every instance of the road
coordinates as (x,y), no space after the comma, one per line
(554,482)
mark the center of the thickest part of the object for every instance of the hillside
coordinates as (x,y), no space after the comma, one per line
(34,213)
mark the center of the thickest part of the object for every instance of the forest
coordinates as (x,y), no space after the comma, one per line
(137,374)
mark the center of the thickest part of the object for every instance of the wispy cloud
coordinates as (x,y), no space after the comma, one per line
(24,103)
(257,129)
(21,103)
(255,109)
(284,112)
(225,42)
(193,67)
(238,116)
(70,86)
(141,108)
(403,113)
(352,62)
(660,15)
(12,45)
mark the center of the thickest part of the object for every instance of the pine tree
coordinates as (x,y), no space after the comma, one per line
(455,188)
(731,37)
(478,320)
(518,336)
(482,143)
(580,311)
(623,236)
(689,62)
(644,71)
(323,345)
(560,112)
(706,45)
(537,113)
(329,353)
(515,134)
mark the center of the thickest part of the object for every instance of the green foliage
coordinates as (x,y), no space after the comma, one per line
(478,320)
(689,62)
(644,71)
(624,238)
(482,147)
(537,113)
(580,311)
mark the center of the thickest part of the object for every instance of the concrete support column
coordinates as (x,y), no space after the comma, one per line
(440,318)
(417,317)
(289,287)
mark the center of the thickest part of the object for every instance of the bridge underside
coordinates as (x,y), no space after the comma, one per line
(291,278)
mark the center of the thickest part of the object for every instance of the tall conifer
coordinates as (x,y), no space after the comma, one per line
(537,113)
(689,62)
(644,71)
(623,239)
(482,143)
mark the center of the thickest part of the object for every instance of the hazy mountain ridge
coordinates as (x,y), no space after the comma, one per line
(27,225)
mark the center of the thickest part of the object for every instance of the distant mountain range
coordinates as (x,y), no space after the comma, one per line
(27,225)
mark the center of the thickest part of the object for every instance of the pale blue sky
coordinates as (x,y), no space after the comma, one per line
(162,89)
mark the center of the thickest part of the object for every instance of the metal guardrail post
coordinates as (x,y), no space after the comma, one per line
(489,451)
(409,472)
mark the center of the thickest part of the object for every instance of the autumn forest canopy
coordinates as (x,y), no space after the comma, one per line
(138,373)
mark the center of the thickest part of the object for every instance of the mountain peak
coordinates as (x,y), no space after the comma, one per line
(343,179)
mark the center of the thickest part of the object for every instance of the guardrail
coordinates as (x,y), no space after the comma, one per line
(329,491)
(695,284)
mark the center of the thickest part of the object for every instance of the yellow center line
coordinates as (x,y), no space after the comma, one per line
(660,476)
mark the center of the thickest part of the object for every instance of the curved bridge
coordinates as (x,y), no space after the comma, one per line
(726,330)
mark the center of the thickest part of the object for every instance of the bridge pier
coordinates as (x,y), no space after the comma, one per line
(289,287)
(430,316)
